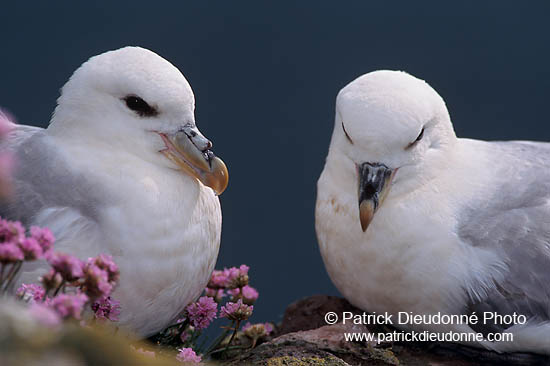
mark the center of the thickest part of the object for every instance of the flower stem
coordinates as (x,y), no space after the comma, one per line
(59,288)
(217,342)
(11,274)
(233,335)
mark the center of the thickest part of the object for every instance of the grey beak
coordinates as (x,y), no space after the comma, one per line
(196,137)
(374,179)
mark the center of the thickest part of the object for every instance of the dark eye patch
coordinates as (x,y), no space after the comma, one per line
(346,133)
(420,135)
(139,106)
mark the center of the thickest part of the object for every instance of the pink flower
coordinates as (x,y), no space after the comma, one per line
(10,253)
(256,331)
(106,263)
(216,294)
(243,269)
(44,237)
(30,292)
(96,281)
(202,312)
(236,311)
(31,249)
(44,314)
(106,308)
(218,280)
(249,294)
(69,305)
(229,278)
(11,231)
(237,277)
(188,355)
(68,266)
(234,293)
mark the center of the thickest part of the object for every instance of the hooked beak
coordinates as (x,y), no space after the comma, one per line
(374,185)
(190,150)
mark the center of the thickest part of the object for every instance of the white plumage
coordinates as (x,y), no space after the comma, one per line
(100,179)
(459,226)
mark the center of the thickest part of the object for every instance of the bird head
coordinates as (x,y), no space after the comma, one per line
(135,101)
(389,126)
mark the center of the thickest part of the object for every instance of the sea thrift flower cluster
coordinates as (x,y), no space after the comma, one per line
(229,278)
(96,281)
(106,308)
(231,284)
(68,287)
(237,311)
(31,293)
(237,277)
(234,282)
(100,276)
(202,312)
(16,247)
(256,331)
(187,355)
(10,253)
(68,266)
(248,294)
(69,305)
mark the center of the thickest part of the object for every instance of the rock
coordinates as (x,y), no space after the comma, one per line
(309,313)
(304,339)
(321,346)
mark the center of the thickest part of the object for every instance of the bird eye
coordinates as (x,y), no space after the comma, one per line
(346,133)
(140,106)
(420,135)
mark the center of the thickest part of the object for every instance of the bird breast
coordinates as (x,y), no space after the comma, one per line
(164,233)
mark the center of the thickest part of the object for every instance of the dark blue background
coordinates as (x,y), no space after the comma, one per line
(265,78)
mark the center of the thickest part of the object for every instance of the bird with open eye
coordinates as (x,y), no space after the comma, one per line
(123,170)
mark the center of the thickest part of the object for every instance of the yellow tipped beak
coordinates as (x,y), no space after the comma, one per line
(190,151)
(374,185)
(366,213)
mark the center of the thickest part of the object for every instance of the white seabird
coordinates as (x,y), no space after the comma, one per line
(410,218)
(122,169)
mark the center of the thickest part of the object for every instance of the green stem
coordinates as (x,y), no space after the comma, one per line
(233,335)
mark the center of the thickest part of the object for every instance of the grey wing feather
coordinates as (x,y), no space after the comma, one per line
(43,178)
(50,193)
(514,221)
